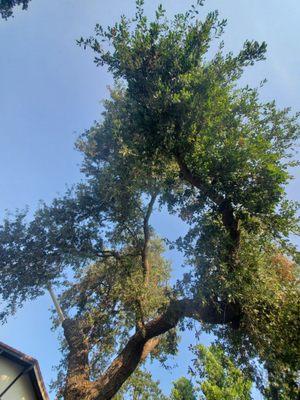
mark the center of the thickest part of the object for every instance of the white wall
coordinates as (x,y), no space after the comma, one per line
(22,389)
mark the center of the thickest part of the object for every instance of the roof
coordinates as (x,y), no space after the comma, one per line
(27,362)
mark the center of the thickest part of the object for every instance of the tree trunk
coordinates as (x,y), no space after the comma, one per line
(79,386)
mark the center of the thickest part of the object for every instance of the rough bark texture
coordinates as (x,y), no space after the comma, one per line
(138,347)
(78,385)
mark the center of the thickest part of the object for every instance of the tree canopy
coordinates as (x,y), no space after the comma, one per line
(183,389)
(214,377)
(7,6)
(218,377)
(180,131)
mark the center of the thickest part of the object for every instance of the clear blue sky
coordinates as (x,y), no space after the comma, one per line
(50,91)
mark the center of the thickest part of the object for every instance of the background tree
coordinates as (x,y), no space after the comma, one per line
(140,386)
(183,389)
(178,130)
(216,378)
(7,6)
(220,379)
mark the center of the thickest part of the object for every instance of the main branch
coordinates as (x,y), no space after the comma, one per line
(141,343)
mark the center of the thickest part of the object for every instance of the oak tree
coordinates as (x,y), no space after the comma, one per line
(180,131)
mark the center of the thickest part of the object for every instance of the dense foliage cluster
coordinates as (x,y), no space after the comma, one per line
(178,130)
(219,377)
(7,6)
(183,389)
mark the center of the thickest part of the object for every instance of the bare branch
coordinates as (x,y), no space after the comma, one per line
(57,306)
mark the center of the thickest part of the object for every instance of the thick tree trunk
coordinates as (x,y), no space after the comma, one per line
(78,385)
(138,347)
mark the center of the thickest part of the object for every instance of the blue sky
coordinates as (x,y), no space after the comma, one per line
(50,91)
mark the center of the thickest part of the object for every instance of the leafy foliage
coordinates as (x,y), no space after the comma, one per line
(220,151)
(6,7)
(220,378)
(183,389)
(140,387)
(180,130)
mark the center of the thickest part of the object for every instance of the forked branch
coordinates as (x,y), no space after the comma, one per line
(143,342)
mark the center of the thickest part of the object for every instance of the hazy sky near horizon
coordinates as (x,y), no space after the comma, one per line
(50,92)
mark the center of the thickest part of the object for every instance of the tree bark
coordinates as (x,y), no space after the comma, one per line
(78,385)
(137,348)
